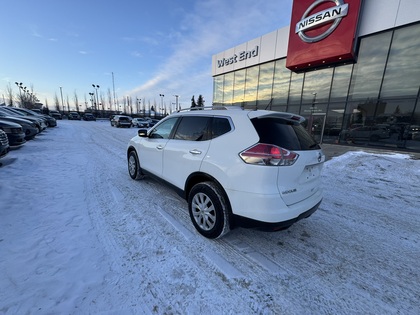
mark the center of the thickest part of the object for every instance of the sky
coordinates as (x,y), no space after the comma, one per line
(79,236)
(139,49)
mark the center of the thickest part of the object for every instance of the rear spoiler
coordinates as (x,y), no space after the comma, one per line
(286,116)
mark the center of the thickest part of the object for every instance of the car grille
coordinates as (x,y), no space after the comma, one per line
(12,130)
(3,138)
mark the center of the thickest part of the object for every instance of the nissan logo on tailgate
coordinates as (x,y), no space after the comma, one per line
(309,22)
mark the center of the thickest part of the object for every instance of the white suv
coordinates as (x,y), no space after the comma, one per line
(235,167)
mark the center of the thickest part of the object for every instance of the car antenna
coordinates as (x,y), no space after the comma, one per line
(269,104)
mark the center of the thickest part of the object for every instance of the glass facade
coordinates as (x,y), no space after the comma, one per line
(373,102)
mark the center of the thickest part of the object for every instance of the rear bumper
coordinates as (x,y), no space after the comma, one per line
(269,212)
(272,227)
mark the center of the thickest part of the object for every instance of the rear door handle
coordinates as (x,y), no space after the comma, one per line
(195,152)
(159,147)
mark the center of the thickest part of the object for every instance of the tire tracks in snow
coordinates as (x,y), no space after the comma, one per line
(228,260)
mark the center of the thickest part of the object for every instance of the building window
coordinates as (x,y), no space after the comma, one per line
(228,88)
(317,86)
(218,90)
(281,83)
(402,75)
(369,69)
(251,84)
(265,85)
(239,88)
(340,83)
(296,83)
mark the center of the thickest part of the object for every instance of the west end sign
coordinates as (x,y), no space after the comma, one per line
(322,32)
(241,56)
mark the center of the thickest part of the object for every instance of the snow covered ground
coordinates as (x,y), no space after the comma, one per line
(78,236)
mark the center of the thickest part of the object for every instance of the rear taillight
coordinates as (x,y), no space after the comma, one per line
(268,154)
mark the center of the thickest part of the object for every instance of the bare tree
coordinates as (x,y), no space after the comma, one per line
(9,94)
(57,102)
(86,103)
(68,103)
(46,106)
(103,103)
(109,98)
(76,100)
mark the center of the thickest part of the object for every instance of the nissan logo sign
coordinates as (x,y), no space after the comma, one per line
(309,22)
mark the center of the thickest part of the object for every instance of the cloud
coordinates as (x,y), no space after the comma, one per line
(209,29)
(136,54)
(35,33)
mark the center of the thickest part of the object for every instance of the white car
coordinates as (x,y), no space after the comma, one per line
(140,122)
(235,167)
(120,121)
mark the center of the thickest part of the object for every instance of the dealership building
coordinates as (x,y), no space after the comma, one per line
(350,67)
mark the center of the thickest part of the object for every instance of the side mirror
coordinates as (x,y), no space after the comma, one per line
(142,133)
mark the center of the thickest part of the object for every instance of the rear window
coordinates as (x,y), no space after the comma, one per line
(284,133)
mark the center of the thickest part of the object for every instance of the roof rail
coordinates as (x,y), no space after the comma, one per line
(214,107)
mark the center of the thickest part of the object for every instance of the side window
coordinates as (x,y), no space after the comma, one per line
(163,130)
(220,126)
(192,128)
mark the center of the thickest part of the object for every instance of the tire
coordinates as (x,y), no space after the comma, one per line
(209,210)
(134,169)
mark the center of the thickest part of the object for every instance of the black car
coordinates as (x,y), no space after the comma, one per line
(4,144)
(73,116)
(55,114)
(29,127)
(89,117)
(10,111)
(14,132)
(50,121)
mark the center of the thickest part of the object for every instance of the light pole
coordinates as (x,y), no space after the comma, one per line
(62,101)
(92,95)
(161,100)
(96,87)
(138,104)
(176,103)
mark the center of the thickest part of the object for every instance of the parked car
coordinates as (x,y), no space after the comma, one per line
(153,122)
(140,123)
(371,133)
(234,167)
(73,116)
(55,114)
(29,127)
(4,144)
(412,132)
(40,123)
(14,132)
(121,121)
(50,121)
(89,117)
